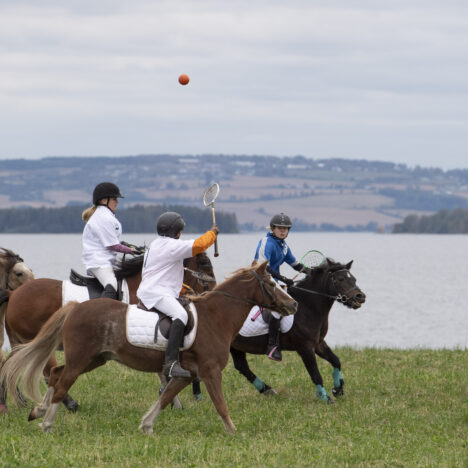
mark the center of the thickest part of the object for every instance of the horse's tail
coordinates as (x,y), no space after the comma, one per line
(4,296)
(27,361)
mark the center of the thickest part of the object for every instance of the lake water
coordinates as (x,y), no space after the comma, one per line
(415,284)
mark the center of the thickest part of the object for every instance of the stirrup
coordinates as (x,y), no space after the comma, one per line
(274,354)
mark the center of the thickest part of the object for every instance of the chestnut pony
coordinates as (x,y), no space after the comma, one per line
(31,305)
(94,332)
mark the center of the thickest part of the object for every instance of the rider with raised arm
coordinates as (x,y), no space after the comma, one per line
(101,237)
(273,248)
(162,278)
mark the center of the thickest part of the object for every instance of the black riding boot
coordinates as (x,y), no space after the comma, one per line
(273,349)
(172,367)
(109,292)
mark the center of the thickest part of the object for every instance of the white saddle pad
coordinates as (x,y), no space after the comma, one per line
(260,327)
(141,324)
(73,292)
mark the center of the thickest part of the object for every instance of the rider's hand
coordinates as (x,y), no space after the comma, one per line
(215,229)
(137,250)
(287,281)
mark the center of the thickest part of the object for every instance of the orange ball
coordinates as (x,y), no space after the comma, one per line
(184,79)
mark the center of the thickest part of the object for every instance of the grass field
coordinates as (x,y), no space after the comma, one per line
(400,409)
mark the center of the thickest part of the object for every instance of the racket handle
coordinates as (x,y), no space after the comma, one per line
(216,253)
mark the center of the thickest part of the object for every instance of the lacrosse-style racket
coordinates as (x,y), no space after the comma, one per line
(209,197)
(313,259)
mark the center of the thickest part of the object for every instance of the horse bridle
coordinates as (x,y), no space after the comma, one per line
(265,292)
(343,298)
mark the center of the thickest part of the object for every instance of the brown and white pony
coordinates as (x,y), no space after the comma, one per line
(94,332)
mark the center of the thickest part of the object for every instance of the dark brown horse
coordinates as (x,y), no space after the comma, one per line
(315,295)
(31,305)
(94,332)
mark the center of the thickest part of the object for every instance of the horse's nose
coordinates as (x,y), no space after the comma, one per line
(361,297)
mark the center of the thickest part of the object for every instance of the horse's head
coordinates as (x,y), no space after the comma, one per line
(343,284)
(334,280)
(13,271)
(199,274)
(270,294)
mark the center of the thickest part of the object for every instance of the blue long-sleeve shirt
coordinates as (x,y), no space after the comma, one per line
(276,251)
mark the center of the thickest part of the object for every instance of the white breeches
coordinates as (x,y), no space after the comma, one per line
(275,314)
(105,276)
(172,308)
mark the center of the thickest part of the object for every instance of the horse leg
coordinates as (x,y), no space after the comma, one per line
(68,401)
(308,357)
(325,352)
(213,384)
(196,390)
(240,363)
(3,396)
(40,410)
(170,391)
(176,403)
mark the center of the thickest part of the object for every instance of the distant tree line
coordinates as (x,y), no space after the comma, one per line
(442,222)
(135,219)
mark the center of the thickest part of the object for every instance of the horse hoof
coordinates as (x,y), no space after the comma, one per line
(330,401)
(32,415)
(73,406)
(270,392)
(46,428)
(146,429)
(338,391)
(198,397)
(3,409)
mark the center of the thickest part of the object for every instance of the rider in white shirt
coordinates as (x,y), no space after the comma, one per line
(101,237)
(162,278)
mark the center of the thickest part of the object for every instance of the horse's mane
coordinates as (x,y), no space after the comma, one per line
(229,279)
(8,258)
(318,273)
(127,267)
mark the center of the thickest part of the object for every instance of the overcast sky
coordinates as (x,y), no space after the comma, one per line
(379,80)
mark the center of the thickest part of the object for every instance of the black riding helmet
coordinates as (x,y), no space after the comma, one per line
(106,190)
(280,220)
(170,224)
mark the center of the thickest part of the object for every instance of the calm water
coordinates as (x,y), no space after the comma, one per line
(415,284)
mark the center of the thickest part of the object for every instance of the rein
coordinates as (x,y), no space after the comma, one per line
(343,298)
(250,301)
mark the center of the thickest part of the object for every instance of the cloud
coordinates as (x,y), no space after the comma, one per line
(302,77)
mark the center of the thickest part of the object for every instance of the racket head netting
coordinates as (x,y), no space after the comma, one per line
(210,194)
(313,259)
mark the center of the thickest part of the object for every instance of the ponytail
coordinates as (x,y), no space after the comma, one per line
(88,213)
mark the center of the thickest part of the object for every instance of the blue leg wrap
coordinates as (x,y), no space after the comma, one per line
(337,376)
(321,393)
(259,384)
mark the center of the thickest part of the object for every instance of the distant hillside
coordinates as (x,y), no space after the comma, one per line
(443,222)
(319,194)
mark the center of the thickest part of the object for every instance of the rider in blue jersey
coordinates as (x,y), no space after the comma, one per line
(273,248)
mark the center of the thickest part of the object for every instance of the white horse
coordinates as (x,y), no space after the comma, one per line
(13,273)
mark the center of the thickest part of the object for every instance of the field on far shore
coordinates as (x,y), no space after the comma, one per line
(401,409)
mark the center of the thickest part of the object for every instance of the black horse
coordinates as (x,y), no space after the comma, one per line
(315,295)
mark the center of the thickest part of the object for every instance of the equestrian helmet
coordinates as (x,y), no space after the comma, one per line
(280,220)
(106,190)
(170,224)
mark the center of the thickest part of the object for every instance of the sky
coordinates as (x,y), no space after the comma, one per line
(376,80)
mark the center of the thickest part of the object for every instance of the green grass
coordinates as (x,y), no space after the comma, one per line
(400,409)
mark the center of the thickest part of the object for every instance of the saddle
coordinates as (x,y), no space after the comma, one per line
(95,288)
(164,322)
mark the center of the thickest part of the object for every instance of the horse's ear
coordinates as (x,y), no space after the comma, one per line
(262,267)
(348,266)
